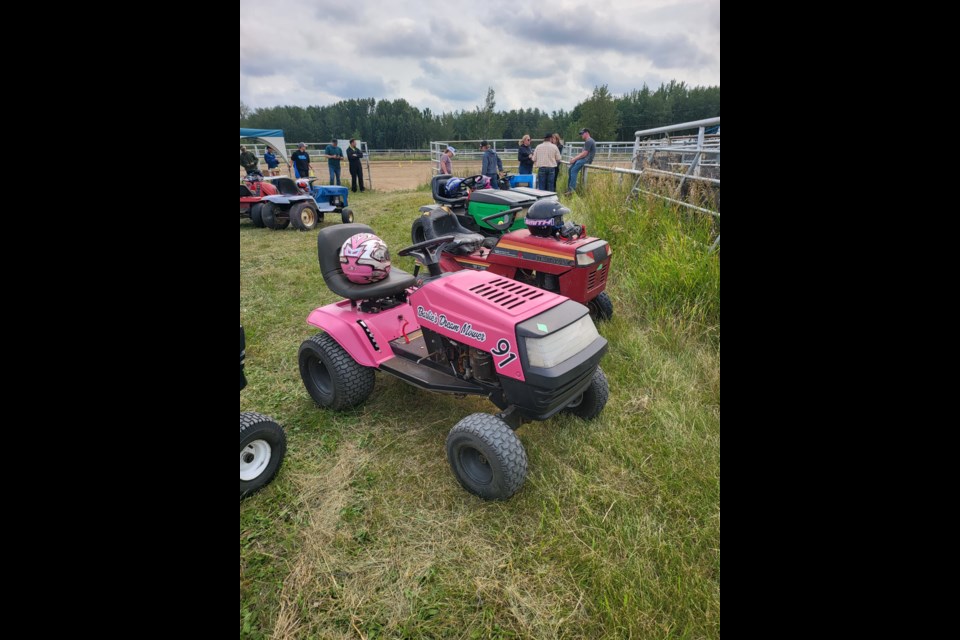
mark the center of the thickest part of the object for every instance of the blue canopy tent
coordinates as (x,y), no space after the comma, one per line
(272,137)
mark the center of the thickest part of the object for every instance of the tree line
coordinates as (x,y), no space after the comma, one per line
(396,124)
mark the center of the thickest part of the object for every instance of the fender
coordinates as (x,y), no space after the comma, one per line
(367,343)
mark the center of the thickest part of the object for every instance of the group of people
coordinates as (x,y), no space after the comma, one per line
(546,157)
(301,162)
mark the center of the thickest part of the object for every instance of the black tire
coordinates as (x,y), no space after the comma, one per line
(263,445)
(304,216)
(333,379)
(592,401)
(487,457)
(601,307)
(417,234)
(284,221)
(255,215)
(268,214)
(346,216)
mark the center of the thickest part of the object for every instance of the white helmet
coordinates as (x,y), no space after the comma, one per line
(303,185)
(365,258)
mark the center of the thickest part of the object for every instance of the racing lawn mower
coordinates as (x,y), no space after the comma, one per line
(263,443)
(531,352)
(548,252)
(282,201)
(471,205)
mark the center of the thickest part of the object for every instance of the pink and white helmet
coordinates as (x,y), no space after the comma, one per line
(365,258)
(303,185)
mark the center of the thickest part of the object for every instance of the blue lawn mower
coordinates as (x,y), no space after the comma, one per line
(331,197)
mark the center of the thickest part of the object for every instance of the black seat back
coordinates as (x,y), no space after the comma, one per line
(245,191)
(329,241)
(438,185)
(286,186)
(441,222)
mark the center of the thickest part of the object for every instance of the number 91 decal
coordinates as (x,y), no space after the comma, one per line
(503,349)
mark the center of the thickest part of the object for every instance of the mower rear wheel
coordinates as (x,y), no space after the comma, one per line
(417,234)
(268,214)
(487,457)
(346,216)
(592,401)
(304,216)
(601,307)
(263,444)
(332,378)
(255,215)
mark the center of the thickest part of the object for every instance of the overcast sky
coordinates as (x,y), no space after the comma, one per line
(444,55)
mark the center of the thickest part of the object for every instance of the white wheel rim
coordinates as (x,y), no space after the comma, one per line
(254,458)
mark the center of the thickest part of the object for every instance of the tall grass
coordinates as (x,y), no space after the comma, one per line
(616,533)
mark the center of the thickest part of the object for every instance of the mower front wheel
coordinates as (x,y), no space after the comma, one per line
(268,215)
(487,457)
(346,216)
(332,378)
(263,444)
(592,401)
(601,307)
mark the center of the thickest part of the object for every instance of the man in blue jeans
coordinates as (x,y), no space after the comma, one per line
(583,158)
(334,156)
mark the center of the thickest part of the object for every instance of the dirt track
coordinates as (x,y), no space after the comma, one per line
(391,176)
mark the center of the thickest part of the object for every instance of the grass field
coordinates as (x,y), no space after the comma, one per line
(365,533)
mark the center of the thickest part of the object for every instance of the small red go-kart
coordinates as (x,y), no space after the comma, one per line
(557,255)
(531,352)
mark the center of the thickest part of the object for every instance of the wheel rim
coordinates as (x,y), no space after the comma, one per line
(350,217)
(254,458)
(320,376)
(475,465)
(307,216)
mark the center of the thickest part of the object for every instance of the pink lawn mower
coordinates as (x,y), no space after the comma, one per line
(533,353)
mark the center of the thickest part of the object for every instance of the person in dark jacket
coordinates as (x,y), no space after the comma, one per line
(356,169)
(492,165)
(248,161)
(272,163)
(525,156)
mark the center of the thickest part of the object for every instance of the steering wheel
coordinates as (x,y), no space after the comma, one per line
(510,215)
(471,181)
(422,250)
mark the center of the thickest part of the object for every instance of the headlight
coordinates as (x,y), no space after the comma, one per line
(593,252)
(551,350)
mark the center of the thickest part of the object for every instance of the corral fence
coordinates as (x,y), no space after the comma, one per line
(657,158)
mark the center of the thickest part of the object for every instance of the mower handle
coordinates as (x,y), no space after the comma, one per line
(509,213)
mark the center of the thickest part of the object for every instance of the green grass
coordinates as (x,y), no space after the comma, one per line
(616,533)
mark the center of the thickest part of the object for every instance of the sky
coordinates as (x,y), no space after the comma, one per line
(444,55)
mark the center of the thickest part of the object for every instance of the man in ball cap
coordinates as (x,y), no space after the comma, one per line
(582,159)
(301,161)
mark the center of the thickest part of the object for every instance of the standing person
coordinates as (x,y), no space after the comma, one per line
(547,158)
(272,163)
(582,159)
(301,161)
(356,169)
(525,156)
(558,141)
(492,166)
(334,158)
(446,160)
(248,161)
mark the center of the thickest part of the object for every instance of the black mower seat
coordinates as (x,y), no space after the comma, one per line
(287,187)
(329,241)
(441,222)
(438,186)
(510,198)
(245,191)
